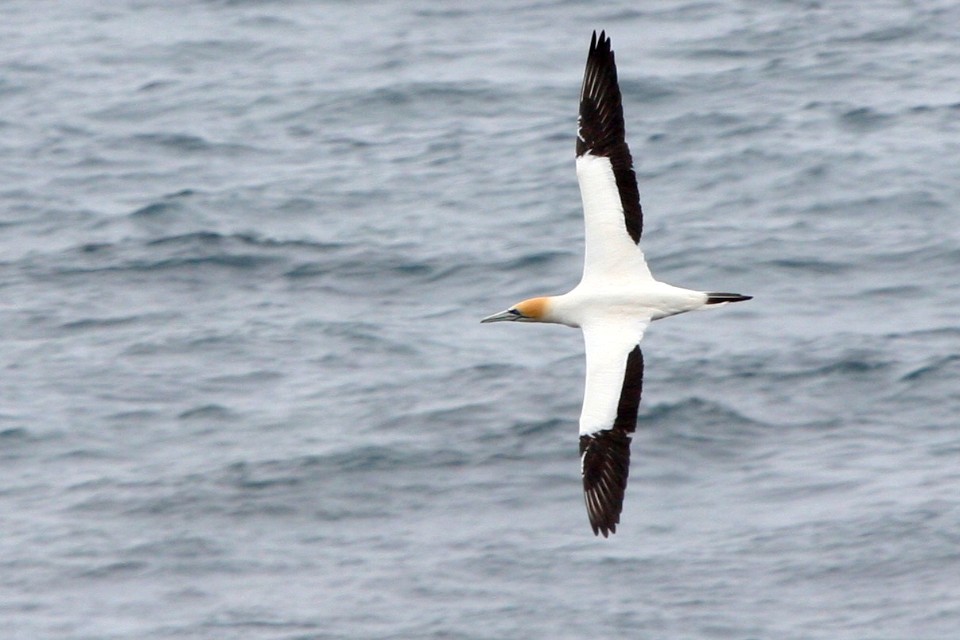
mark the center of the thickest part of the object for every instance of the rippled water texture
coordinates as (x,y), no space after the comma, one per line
(244,250)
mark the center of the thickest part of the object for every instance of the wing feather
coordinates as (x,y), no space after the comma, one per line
(608,185)
(609,417)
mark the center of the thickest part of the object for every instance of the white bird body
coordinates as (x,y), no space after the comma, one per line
(617,297)
(598,302)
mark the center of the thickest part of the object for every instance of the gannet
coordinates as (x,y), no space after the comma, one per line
(617,297)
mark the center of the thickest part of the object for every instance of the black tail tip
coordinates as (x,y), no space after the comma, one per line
(717,298)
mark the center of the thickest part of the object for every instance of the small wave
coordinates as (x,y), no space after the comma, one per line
(363,459)
(212,238)
(187,143)
(810,264)
(14,434)
(184,548)
(207,412)
(902,293)
(647,90)
(183,251)
(156,209)
(154,85)
(253,377)
(95,247)
(114,570)
(851,366)
(178,142)
(698,410)
(85,454)
(299,205)
(936,368)
(138,416)
(308,270)
(723,53)
(848,365)
(864,119)
(85,324)
(407,100)
(883,34)
(439,92)
(935,333)
(238,262)
(535,259)
(372,267)
(695,428)
(550,425)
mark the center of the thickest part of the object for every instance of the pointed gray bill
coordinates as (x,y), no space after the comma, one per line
(509,314)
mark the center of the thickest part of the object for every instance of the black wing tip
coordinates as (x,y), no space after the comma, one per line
(604,529)
(605,467)
(605,504)
(600,125)
(601,42)
(601,51)
(603,522)
(600,46)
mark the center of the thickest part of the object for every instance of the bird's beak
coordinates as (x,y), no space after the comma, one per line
(509,314)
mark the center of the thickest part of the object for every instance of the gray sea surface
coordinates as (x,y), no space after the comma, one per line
(244,251)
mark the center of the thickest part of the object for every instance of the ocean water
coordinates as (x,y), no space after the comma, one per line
(244,250)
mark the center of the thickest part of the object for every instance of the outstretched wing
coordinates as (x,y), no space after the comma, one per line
(608,187)
(609,417)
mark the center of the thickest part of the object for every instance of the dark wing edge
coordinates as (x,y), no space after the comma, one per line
(601,130)
(605,454)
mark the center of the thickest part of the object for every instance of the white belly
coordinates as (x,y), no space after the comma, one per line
(651,301)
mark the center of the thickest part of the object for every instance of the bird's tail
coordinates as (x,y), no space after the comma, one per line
(718,298)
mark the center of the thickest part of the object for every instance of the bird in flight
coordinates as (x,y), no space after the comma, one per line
(617,297)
